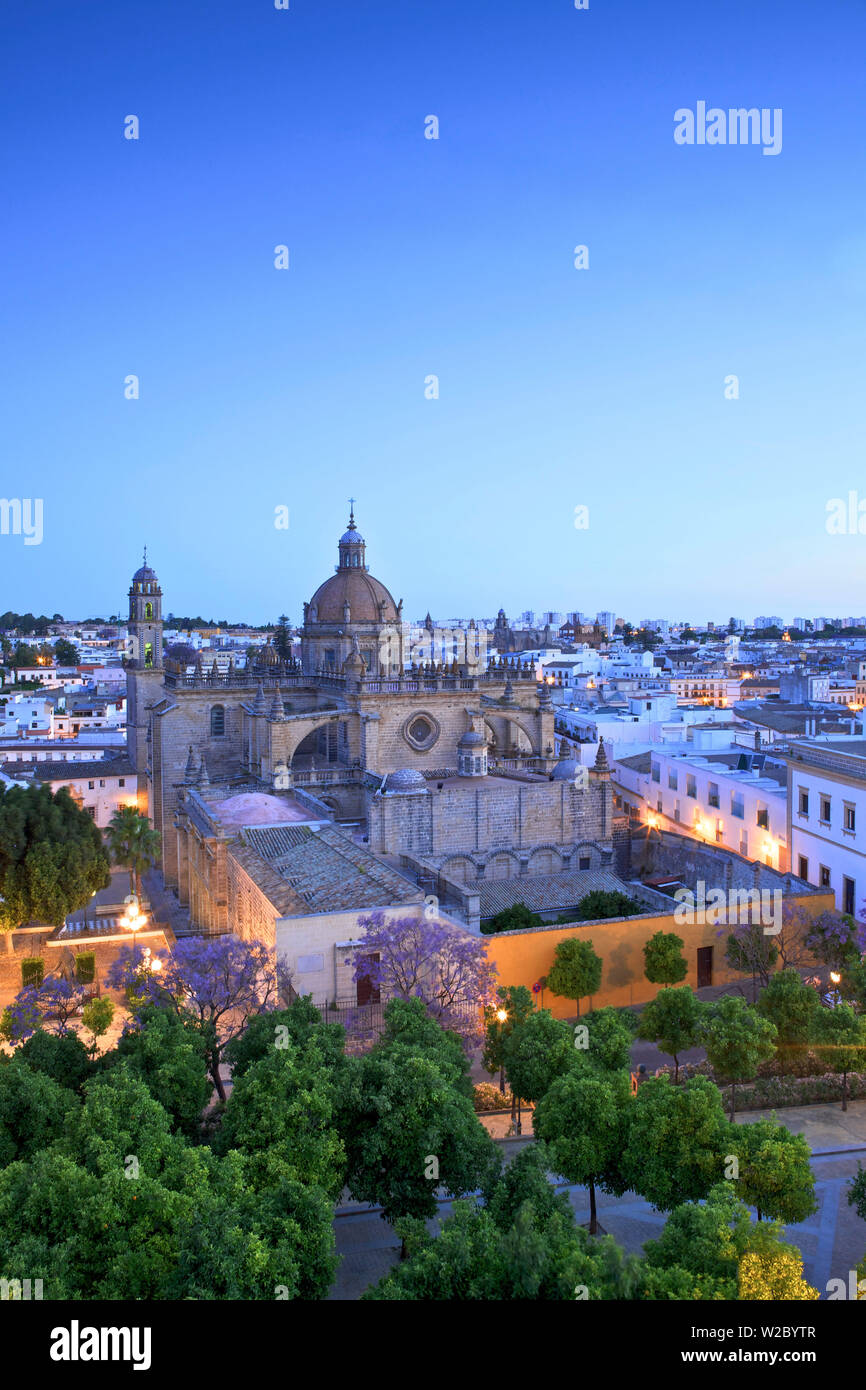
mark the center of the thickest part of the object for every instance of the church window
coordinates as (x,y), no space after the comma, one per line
(148,610)
(330,656)
(217,721)
(421,731)
(148,653)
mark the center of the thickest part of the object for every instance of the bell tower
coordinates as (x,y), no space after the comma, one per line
(144,671)
(145,619)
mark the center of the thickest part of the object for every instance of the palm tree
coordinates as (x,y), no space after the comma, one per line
(132,841)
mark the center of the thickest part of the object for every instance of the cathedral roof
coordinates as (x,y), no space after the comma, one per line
(353,584)
(360,590)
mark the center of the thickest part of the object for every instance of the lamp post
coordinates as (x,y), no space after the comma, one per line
(835,980)
(501,1016)
(133,919)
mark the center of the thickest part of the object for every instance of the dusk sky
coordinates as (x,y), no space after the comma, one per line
(559,387)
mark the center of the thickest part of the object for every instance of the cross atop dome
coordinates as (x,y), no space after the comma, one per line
(352,545)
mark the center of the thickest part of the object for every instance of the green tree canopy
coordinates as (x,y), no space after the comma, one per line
(51,856)
(576,970)
(603,903)
(65,652)
(168,1055)
(407,1132)
(517,1003)
(298,1023)
(675,1143)
(664,962)
(737,1039)
(609,1034)
(671,1021)
(711,1250)
(789,1004)
(34,1111)
(133,843)
(536,1052)
(515,918)
(583,1121)
(63,1057)
(775,1176)
(841,1038)
(284,1106)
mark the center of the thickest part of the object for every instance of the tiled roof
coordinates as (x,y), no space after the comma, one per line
(69,771)
(328,871)
(547,892)
(277,840)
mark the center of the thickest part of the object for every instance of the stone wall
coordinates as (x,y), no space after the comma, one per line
(665,852)
(33,942)
(477,816)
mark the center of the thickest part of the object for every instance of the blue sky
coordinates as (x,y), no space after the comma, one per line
(409,257)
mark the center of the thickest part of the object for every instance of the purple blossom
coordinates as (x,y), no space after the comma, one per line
(50,1005)
(214,983)
(427,959)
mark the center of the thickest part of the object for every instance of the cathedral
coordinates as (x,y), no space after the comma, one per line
(442,774)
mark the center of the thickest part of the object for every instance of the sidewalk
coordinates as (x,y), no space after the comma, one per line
(827,1128)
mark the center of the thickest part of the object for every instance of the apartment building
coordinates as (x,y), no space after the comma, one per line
(827,817)
(729,797)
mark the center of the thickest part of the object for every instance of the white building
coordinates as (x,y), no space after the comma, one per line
(723,797)
(827,817)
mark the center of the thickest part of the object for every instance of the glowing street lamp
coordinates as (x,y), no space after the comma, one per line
(133,918)
(835,980)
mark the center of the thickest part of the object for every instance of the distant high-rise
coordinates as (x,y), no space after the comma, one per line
(607,621)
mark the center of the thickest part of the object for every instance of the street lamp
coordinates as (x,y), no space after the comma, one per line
(836,980)
(133,918)
(501,1016)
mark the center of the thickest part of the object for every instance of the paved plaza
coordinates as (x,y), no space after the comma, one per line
(832,1242)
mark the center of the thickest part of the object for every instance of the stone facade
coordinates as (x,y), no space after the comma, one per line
(495,825)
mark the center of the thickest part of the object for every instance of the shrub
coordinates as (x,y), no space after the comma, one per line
(515,918)
(599,904)
(85,967)
(489,1097)
(32,971)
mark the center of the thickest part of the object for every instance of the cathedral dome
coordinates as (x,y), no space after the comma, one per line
(405,779)
(566,770)
(471,739)
(368,600)
(361,591)
(144,575)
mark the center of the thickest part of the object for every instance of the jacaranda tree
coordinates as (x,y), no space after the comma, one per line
(214,983)
(427,959)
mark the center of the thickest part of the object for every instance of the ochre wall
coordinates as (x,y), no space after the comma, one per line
(522,957)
